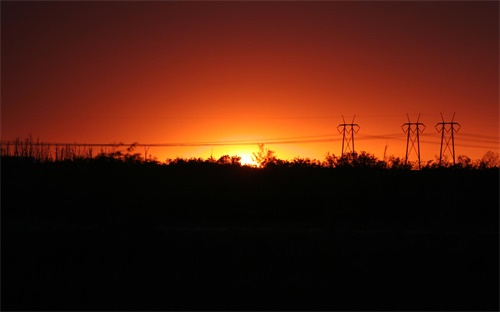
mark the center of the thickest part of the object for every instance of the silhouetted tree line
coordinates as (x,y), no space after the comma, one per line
(265,158)
(120,232)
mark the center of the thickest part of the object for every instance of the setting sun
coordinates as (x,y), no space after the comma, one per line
(247,160)
(251,155)
(215,76)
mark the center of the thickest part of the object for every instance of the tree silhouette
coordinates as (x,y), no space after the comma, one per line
(264,157)
(229,160)
(490,160)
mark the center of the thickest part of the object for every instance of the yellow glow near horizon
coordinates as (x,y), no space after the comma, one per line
(247,160)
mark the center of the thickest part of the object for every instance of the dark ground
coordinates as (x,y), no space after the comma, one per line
(114,236)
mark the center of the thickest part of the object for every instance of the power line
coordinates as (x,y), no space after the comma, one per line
(280,140)
(190,144)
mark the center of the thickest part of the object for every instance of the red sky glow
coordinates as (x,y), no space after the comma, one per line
(281,73)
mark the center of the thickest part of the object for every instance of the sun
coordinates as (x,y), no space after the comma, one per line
(246,160)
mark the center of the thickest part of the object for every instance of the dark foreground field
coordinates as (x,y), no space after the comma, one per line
(116,236)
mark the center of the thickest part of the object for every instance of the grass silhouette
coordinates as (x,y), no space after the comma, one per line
(118,233)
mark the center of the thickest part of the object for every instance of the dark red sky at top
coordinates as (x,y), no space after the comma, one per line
(180,72)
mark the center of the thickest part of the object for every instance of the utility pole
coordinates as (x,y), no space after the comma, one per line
(350,130)
(449,128)
(413,129)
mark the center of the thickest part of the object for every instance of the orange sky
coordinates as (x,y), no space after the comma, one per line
(183,72)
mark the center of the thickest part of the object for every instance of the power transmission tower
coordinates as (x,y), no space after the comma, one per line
(413,129)
(350,130)
(449,128)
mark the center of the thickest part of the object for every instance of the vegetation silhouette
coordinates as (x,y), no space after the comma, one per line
(42,152)
(118,231)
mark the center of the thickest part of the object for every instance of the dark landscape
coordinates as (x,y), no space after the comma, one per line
(107,234)
(139,148)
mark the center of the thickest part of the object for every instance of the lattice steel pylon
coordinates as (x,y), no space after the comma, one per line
(447,127)
(349,129)
(413,129)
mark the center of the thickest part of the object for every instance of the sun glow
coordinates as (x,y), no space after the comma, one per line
(247,160)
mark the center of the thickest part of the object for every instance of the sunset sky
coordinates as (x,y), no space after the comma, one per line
(229,73)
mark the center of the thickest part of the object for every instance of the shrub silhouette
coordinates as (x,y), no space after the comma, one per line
(115,233)
(229,160)
(266,158)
